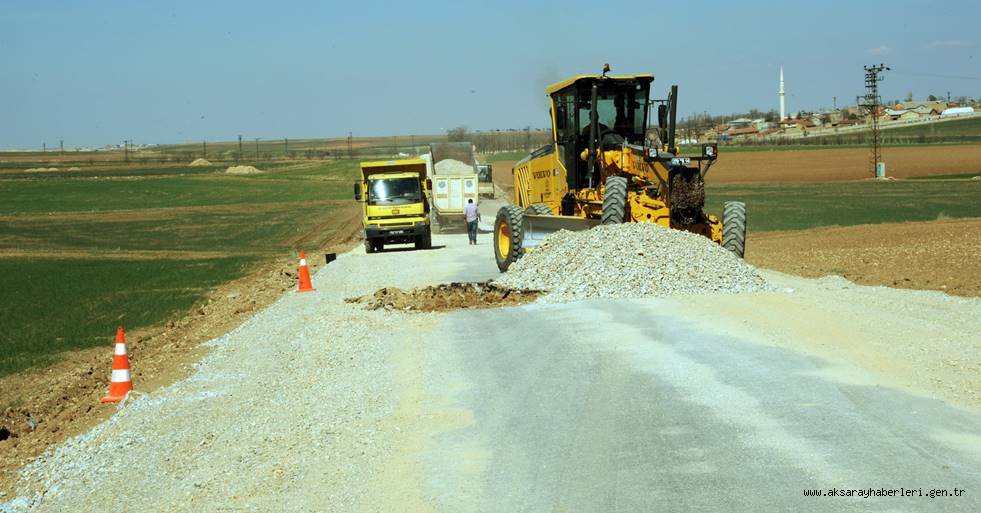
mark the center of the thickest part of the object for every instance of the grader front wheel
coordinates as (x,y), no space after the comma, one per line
(734,227)
(507,236)
(615,200)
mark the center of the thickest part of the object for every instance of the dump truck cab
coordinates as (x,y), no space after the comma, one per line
(394,197)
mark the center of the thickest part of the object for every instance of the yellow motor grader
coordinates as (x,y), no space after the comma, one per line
(604,166)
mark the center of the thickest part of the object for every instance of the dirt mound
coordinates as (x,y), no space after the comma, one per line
(454,296)
(41,170)
(199,162)
(243,170)
(74,168)
(630,260)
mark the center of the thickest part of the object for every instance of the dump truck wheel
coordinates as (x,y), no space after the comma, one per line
(615,200)
(539,209)
(434,222)
(369,247)
(507,236)
(424,241)
(734,227)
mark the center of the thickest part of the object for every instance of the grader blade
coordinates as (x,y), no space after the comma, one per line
(534,228)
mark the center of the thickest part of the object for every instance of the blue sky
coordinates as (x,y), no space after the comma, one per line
(98,72)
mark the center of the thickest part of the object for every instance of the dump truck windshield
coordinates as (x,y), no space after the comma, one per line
(394,191)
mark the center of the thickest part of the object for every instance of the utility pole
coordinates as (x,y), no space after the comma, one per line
(257,149)
(204,149)
(286,146)
(44,147)
(350,146)
(948,96)
(61,147)
(126,150)
(871,103)
(395,144)
(834,102)
(239,157)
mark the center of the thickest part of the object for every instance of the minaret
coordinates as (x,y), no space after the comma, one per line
(783,111)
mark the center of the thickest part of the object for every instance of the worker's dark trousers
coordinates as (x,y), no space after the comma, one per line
(472,230)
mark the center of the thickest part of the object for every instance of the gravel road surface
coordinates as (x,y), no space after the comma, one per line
(691,403)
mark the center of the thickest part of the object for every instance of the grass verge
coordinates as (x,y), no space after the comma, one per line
(48,306)
(801,206)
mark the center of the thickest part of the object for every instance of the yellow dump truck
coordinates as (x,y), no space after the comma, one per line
(394,197)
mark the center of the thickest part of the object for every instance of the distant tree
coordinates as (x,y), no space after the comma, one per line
(909,96)
(931,98)
(458,134)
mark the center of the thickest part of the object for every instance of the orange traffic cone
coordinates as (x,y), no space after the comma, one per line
(305,285)
(121,383)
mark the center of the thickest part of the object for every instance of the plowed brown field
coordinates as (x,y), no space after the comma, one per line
(935,255)
(823,165)
(826,165)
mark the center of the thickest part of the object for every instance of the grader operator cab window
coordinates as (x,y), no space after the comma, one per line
(394,191)
(621,112)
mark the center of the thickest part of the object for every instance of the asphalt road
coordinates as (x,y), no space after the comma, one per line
(613,406)
(653,405)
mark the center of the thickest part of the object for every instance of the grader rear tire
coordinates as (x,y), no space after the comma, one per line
(507,236)
(734,227)
(539,209)
(615,200)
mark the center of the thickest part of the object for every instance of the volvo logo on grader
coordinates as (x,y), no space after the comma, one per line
(605,169)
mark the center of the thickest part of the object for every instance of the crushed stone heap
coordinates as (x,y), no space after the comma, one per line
(243,170)
(452,167)
(630,260)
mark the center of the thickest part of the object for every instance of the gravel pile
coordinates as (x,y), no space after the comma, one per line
(199,162)
(452,167)
(243,170)
(630,260)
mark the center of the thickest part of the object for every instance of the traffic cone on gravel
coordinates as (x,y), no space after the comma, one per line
(121,383)
(305,285)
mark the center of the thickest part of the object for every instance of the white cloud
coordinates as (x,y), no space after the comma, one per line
(945,43)
(880,50)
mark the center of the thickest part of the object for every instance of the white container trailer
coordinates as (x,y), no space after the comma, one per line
(455,182)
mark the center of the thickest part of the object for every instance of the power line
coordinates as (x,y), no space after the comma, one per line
(936,75)
(871,102)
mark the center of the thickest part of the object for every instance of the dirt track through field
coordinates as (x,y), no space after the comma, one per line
(158,214)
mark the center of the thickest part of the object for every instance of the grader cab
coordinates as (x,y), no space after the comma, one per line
(604,166)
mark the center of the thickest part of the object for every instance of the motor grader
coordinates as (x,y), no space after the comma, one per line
(605,167)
